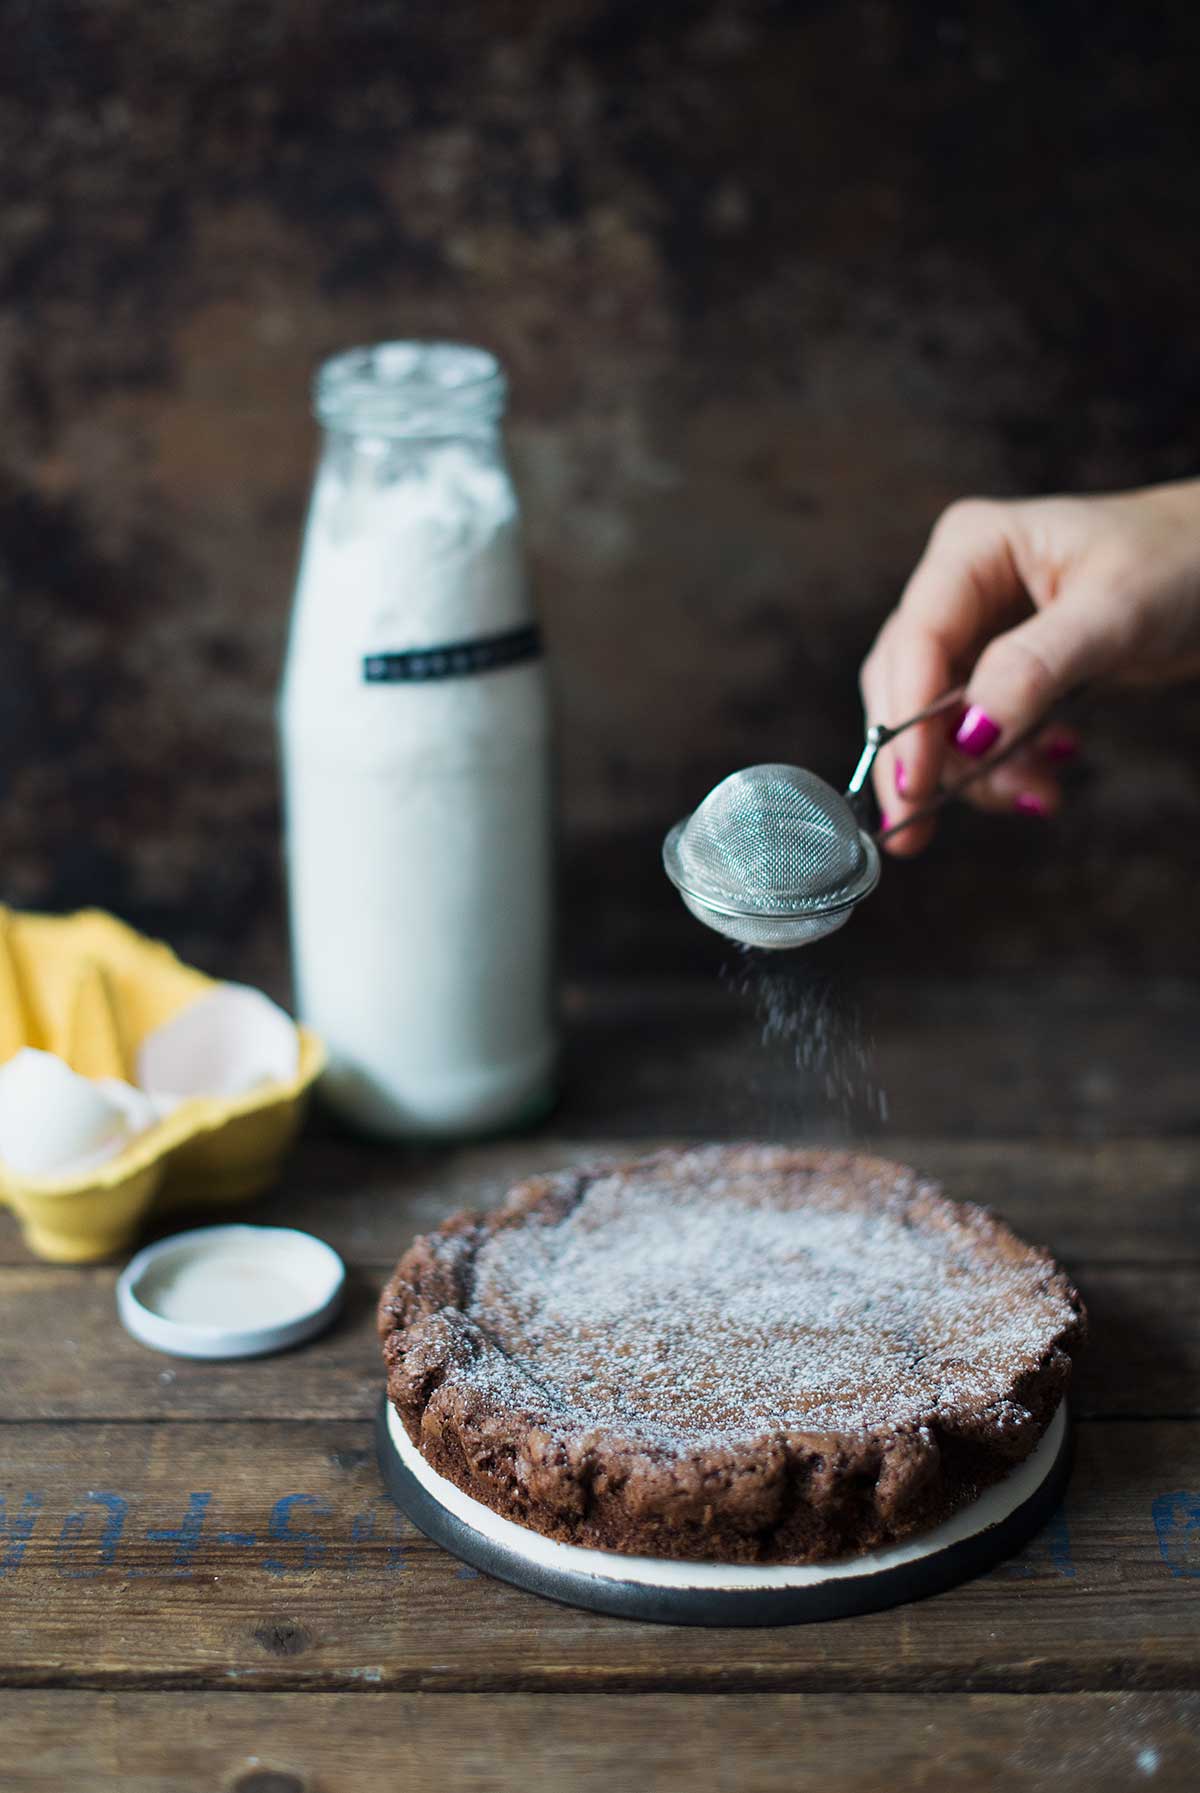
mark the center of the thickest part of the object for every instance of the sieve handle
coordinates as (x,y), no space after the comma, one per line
(880,733)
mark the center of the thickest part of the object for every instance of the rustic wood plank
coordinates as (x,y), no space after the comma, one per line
(265,1557)
(1110,1201)
(1025,1056)
(95,1369)
(1143,1354)
(472,1743)
(1143,1361)
(1115,1201)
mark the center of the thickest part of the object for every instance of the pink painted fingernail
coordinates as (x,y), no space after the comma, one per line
(955,721)
(1027,804)
(884,821)
(901,778)
(976,733)
(1059,748)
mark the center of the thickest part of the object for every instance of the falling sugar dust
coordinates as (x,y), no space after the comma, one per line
(815,1018)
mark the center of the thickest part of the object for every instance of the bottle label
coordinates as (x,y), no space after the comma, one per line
(454,659)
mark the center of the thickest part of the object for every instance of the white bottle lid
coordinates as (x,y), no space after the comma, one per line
(231,1291)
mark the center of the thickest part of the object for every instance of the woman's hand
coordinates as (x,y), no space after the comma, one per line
(1023,601)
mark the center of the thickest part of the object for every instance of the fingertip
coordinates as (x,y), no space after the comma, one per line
(1059,745)
(1023,787)
(920,765)
(977,733)
(906,842)
(1039,798)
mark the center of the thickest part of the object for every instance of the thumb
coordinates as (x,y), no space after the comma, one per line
(1024,672)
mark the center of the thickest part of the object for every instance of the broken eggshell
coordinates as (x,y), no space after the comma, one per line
(140,1110)
(55,1123)
(231,1041)
(90,990)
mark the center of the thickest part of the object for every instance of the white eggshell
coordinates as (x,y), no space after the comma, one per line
(230,1041)
(139,1109)
(54,1122)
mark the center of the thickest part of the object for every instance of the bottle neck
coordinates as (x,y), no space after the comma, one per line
(356,436)
(411,392)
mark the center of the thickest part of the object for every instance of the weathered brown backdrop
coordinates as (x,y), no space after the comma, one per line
(773,283)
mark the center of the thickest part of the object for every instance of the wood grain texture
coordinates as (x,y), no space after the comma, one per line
(1109,1201)
(265,1556)
(772,1743)
(1023,1056)
(179,1534)
(1119,1200)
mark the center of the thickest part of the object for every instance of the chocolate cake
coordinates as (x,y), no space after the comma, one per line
(737,1354)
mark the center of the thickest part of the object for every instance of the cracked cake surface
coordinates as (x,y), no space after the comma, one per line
(728,1353)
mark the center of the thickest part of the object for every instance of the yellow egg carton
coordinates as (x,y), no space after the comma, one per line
(89,988)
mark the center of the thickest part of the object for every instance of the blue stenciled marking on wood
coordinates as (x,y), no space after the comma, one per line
(94,1533)
(363,1531)
(185,1537)
(67,1553)
(284,1532)
(1177,1526)
(1057,1538)
(17,1529)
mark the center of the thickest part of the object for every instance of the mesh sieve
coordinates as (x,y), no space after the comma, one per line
(773,857)
(766,933)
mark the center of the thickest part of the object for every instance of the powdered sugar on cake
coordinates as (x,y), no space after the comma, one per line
(732,1353)
(691,1304)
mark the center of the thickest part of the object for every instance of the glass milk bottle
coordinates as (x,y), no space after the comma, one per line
(415,735)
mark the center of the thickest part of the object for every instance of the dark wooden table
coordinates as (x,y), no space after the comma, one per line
(202,1585)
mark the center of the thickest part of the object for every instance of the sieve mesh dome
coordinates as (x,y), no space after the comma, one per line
(772,838)
(773,857)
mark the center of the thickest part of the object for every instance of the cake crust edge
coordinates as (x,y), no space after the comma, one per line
(794,1497)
